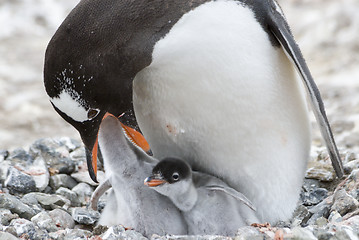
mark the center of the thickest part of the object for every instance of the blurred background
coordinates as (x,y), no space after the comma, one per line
(326,30)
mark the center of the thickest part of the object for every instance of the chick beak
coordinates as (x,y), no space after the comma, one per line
(153,182)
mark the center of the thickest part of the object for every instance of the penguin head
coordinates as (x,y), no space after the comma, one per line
(170,177)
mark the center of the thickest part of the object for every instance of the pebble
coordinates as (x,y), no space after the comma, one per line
(12,203)
(23,226)
(313,196)
(7,236)
(48,201)
(6,216)
(40,173)
(69,234)
(70,195)
(62,219)
(247,233)
(346,233)
(83,192)
(321,222)
(343,202)
(20,156)
(69,143)
(302,214)
(320,171)
(5,165)
(335,217)
(320,210)
(62,180)
(319,215)
(85,216)
(299,233)
(118,232)
(18,182)
(55,153)
(44,221)
(3,155)
(85,177)
(350,166)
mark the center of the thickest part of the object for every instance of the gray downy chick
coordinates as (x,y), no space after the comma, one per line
(130,202)
(208,204)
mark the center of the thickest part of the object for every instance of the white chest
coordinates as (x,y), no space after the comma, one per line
(219,95)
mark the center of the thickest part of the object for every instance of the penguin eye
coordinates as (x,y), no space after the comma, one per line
(175,176)
(92,113)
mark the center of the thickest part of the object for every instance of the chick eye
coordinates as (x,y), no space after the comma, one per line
(92,113)
(175,176)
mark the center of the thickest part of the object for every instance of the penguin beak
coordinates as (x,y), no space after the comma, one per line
(135,137)
(154,182)
(91,156)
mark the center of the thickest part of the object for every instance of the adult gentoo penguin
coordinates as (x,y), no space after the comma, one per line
(209,205)
(212,82)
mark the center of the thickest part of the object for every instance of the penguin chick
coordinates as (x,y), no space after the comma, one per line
(132,204)
(208,204)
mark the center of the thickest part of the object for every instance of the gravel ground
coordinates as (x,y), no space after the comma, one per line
(45,184)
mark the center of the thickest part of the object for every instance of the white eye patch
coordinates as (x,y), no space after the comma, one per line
(69,106)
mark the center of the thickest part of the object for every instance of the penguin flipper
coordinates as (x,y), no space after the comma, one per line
(232,192)
(100,190)
(280,29)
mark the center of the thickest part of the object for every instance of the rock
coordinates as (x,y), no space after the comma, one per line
(180,237)
(62,180)
(23,226)
(247,233)
(79,155)
(321,222)
(299,233)
(18,182)
(6,216)
(69,143)
(16,206)
(302,214)
(346,233)
(99,229)
(49,201)
(3,155)
(353,222)
(55,153)
(39,173)
(313,196)
(320,171)
(7,236)
(343,202)
(20,156)
(85,177)
(70,195)
(5,165)
(44,221)
(350,166)
(62,219)
(335,217)
(71,234)
(84,192)
(320,210)
(132,235)
(85,216)
(323,234)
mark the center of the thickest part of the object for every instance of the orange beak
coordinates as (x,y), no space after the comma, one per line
(134,136)
(153,182)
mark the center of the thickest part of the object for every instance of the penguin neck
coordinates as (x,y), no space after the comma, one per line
(115,146)
(186,200)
